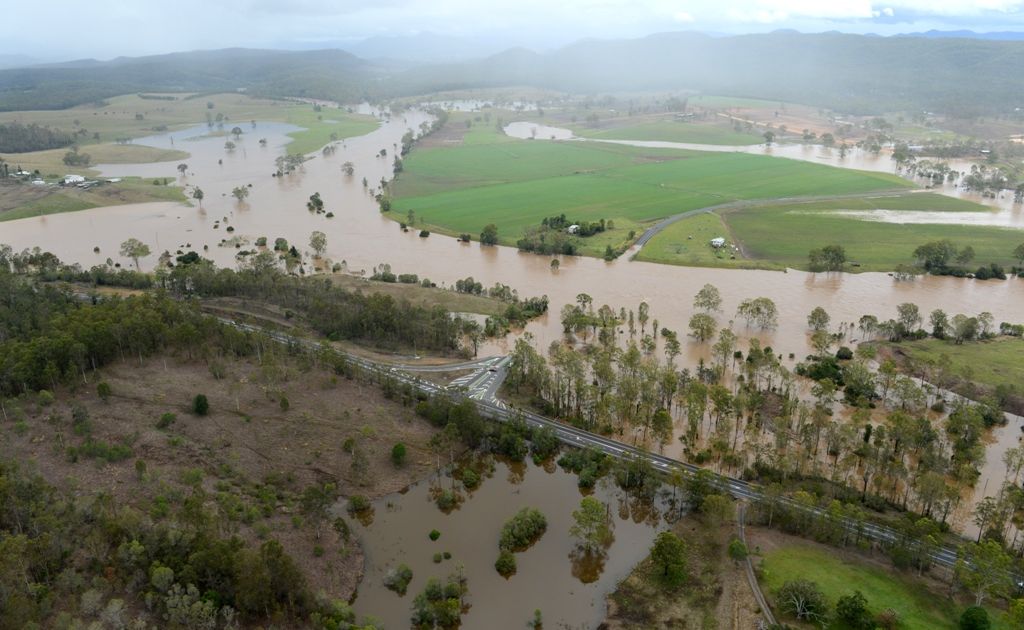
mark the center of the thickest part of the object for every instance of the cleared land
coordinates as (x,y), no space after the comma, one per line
(781,235)
(253,455)
(18,201)
(515,184)
(974,369)
(919,606)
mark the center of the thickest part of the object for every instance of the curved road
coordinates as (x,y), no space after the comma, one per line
(483,393)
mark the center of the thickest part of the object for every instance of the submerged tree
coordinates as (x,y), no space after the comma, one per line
(135,249)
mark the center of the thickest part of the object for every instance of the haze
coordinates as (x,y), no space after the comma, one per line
(109,28)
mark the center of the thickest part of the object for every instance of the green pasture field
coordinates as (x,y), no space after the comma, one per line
(515,184)
(781,235)
(918,607)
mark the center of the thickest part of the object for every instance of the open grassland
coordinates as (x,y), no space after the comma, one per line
(973,369)
(50,163)
(687,242)
(783,234)
(515,184)
(918,607)
(130,116)
(668,130)
(21,200)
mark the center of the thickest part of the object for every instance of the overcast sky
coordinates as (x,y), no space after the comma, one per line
(62,29)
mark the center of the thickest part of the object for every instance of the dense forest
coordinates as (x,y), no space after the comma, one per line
(19,138)
(853,74)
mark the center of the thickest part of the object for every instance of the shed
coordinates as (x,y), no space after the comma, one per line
(573,229)
(73,179)
(717,242)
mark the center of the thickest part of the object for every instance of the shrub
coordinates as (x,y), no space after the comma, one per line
(446,500)
(434,534)
(844,354)
(505,565)
(438,557)
(470,479)
(357,503)
(398,579)
(103,390)
(44,398)
(166,420)
(522,530)
(398,455)
(852,610)
(200,405)
(975,618)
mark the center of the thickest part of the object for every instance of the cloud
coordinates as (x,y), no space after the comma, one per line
(683,17)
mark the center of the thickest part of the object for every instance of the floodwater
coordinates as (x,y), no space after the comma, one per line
(1013,220)
(359,236)
(567,587)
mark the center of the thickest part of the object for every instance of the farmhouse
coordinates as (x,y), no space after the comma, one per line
(718,242)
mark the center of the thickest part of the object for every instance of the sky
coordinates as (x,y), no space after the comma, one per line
(102,29)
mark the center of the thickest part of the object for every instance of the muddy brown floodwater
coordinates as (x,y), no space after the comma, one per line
(567,587)
(361,237)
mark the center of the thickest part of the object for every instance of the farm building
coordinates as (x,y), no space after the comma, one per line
(573,229)
(717,242)
(73,179)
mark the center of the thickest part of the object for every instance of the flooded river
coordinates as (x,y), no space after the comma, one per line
(359,236)
(567,587)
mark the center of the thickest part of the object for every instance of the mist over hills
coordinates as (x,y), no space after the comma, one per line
(847,73)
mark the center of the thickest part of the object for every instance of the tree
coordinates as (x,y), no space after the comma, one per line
(591,525)
(759,311)
(318,241)
(828,258)
(103,390)
(240,192)
(716,509)
(975,618)
(236,132)
(769,138)
(489,235)
(708,299)
(737,550)
(197,194)
(819,319)
(702,327)
(852,610)
(984,569)
(1018,253)
(803,599)
(348,168)
(398,455)
(909,316)
(668,555)
(135,249)
(936,254)
(200,405)
(182,168)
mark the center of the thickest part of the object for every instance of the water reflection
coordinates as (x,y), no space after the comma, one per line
(565,583)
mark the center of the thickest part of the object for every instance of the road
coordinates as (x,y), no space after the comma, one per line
(482,386)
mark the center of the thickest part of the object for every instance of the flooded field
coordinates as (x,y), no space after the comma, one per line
(567,587)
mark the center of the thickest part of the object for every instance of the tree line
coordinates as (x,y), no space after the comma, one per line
(19,138)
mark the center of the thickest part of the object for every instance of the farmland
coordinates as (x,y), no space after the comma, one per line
(781,235)
(670,131)
(516,184)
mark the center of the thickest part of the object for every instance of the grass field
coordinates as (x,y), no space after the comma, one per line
(783,234)
(50,163)
(515,184)
(21,201)
(975,369)
(918,607)
(671,131)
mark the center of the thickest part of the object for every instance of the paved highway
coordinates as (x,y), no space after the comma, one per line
(482,386)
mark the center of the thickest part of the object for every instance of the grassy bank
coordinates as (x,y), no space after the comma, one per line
(781,235)
(919,608)
(515,184)
(130,116)
(22,200)
(974,369)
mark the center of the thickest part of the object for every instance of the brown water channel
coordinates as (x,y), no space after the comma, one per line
(551,575)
